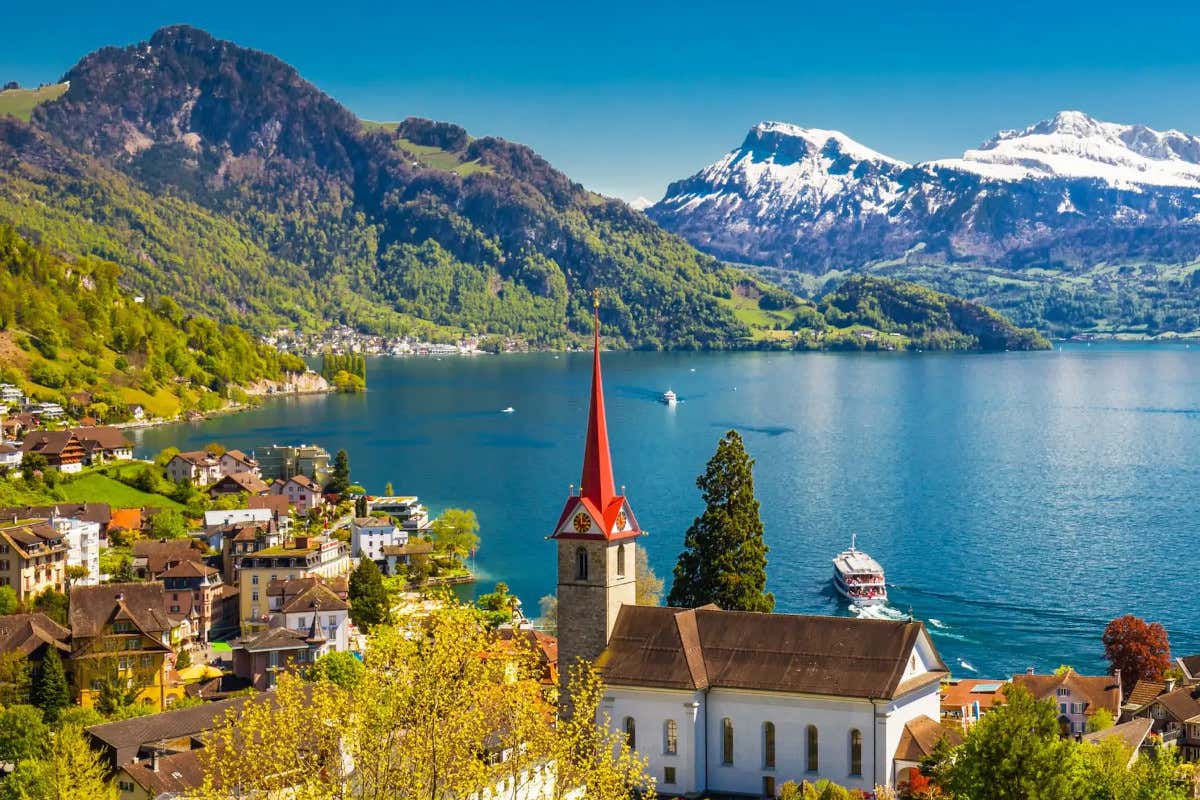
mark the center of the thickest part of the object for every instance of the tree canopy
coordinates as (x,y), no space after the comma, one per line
(724,560)
(1137,649)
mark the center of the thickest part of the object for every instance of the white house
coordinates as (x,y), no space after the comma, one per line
(10,455)
(300,491)
(83,547)
(233,462)
(11,395)
(732,702)
(196,467)
(215,520)
(309,605)
(369,535)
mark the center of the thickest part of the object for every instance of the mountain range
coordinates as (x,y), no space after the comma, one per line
(216,176)
(1108,214)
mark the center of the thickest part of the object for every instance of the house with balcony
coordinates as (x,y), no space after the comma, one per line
(369,535)
(197,467)
(235,462)
(1175,715)
(62,449)
(33,558)
(303,557)
(103,443)
(194,591)
(301,492)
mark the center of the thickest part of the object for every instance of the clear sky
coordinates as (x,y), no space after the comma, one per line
(626,96)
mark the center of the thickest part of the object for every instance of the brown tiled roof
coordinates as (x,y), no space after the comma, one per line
(303,480)
(94,607)
(959,693)
(125,737)
(238,455)
(178,774)
(272,639)
(189,569)
(1182,704)
(921,735)
(197,457)
(48,442)
(708,647)
(318,596)
(241,482)
(278,504)
(1133,733)
(25,633)
(1100,691)
(1144,692)
(105,436)
(163,553)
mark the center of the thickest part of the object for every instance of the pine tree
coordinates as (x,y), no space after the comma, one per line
(368,598)
(724,560)
(50,692)
(341,473)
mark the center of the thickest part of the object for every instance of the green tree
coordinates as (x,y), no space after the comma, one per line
(23,733)
(724,560)
(1015,752)
(1101,720)
(388,491)
(368,598)
(15,672)
(53,604)
(456,532)
(340,480)
(69,770)
(8,600)
(360,507)
(33,462)
(50,692)
(497,606)
(343,669)
(168,524)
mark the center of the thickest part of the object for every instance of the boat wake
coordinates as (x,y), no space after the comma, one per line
(878,612)
(967,666)
(937,623)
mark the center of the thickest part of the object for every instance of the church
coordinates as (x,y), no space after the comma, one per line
(733,702)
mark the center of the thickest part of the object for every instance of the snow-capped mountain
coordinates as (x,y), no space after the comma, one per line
(1067,191)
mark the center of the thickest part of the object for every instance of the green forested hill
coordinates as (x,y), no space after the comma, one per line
(67,327)
(217,175)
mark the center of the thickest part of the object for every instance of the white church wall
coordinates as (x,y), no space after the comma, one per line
(650,710)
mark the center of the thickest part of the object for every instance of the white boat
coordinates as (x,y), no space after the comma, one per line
(669,397)
(509,410)
(858,577)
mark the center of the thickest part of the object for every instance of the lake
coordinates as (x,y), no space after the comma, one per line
(1018,501)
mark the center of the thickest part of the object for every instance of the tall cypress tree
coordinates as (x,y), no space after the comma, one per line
(50,692)
(368,598)
(724,560)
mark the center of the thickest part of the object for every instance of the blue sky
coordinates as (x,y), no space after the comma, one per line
(626,96)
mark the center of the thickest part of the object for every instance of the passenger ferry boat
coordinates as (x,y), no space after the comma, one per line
(669,397)
(859,577)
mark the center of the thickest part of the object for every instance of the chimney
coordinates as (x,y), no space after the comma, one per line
(154,760)
(1029,671)
(1169,685)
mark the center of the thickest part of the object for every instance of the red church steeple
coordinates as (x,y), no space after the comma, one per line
(605,513)
(596,483)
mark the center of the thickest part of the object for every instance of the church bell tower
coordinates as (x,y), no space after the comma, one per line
(596,535)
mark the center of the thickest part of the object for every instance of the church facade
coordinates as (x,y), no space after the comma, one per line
(733,702)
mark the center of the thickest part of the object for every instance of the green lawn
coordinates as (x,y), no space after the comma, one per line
(96,488)
(437,158)
(20,103)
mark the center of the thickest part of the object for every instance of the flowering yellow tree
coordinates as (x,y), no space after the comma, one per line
(443,711)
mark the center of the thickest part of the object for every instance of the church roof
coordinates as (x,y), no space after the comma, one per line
(706,648)
(597,491)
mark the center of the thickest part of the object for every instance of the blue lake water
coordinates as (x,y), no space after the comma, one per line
(1018,501)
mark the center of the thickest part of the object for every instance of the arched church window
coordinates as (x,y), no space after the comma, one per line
(621,560)
(631,732)
(769,745)
(727,741)
(670,737)
(855,752)
(581,563)
(812,747)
